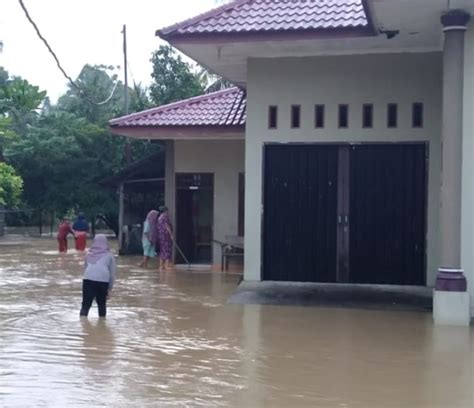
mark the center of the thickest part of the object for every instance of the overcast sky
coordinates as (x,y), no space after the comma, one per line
(86,31)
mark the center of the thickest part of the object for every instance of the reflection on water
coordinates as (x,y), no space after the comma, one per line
(171,340)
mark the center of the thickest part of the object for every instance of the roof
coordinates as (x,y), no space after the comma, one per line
(221,108)
(257,16)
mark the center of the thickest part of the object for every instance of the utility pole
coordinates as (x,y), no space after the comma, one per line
(128,150)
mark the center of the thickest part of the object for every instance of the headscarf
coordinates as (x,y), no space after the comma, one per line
(152,219)
(98,249)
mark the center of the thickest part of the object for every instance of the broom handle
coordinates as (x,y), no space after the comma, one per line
(181,252)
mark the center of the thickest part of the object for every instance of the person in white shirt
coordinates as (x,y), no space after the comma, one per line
(99,276)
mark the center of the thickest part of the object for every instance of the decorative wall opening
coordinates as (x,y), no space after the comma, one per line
(343,116)
(319,116)
(367,116)
(295,116)
(417,115)
(272,117)
(392,115)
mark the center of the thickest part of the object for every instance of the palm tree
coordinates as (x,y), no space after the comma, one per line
(213,82)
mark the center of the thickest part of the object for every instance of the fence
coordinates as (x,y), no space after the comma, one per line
(27,222)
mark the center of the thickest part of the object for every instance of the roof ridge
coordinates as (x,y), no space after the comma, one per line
(174,105)
(163,32)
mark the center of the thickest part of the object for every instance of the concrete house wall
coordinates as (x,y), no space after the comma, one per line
(467,230)
(225,159)
(354,80)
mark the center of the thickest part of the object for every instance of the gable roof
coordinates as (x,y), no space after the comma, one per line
(221,108)
(266,16)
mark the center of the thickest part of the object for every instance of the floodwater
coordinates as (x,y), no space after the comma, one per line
(170,340)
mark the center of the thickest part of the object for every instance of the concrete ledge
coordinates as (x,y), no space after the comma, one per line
(451,308)
(335,295)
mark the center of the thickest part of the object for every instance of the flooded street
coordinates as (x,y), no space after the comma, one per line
(170,340)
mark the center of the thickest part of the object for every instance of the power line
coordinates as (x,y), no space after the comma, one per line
(81,91)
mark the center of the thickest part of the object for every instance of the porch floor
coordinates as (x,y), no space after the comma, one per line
(335,295)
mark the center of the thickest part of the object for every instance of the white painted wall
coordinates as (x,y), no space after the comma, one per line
(355,80)
(226,159)
(467,233)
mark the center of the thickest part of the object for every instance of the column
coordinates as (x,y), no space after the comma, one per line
(122,249)
(450,295)
(170,182)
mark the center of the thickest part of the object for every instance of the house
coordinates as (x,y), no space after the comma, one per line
(352,122)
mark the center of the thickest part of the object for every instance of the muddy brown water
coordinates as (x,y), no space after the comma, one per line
(170,340)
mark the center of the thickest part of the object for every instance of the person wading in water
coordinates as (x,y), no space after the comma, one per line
(80,228)
(99,276)
(63,231)
(149,238)
(165,239)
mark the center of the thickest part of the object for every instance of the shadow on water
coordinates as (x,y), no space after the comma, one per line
(170,339)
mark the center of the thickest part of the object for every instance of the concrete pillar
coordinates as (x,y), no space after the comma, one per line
(121,247)
(170,182)
(451,300)
(170,179)
(467,217)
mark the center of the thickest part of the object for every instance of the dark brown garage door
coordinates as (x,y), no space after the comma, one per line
(340,213)
(300,213)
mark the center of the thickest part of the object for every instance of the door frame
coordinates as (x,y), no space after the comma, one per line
(185,173)
(426,143)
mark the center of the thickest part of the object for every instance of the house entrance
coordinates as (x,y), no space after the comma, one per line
(345,213)
(194,216)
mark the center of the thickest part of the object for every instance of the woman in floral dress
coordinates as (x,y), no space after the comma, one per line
(165,238)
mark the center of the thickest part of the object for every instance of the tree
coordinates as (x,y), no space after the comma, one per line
(139,99)
(11,186)
(69,149)
(62,159)
(213,82)
(66,149)
(174,79)
(93,86)
(19,102)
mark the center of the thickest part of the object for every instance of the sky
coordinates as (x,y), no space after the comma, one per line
(86,31)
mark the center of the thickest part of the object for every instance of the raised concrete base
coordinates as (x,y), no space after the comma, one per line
(451,308)
(380,297)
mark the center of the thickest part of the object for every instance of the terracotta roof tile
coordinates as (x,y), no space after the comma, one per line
(222,108)
(247,16)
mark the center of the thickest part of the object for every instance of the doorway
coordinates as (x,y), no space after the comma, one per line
(194,216)
(345,213)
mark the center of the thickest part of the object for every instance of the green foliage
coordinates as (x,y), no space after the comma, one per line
(61,160)
(11,186)
(94,84)
(67,149)
(19,100)
(139,99)
(213,82)
(173,78)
